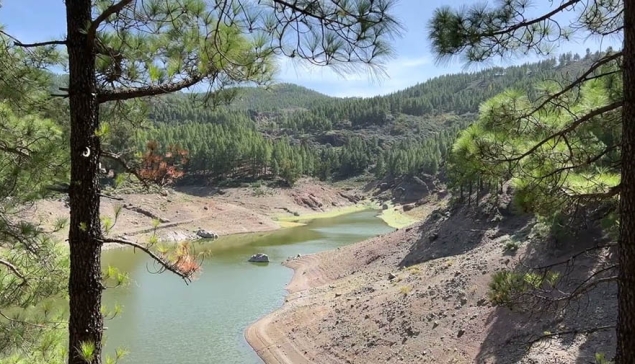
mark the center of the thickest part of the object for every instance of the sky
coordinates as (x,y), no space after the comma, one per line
(38,20)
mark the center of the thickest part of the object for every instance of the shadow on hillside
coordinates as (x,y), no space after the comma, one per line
(207,190)
(198,191)
(511,333)
(447,233)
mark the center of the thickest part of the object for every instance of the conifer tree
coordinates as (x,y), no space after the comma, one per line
(121,50)
(33,268)
(562,138)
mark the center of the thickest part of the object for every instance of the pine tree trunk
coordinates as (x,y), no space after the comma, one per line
(84,287)
(478,190)
(626,243)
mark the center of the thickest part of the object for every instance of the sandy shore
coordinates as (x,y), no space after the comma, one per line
(184,211)
(265,337)
(420,295)
(312,287)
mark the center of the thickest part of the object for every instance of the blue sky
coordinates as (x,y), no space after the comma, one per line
(37,20)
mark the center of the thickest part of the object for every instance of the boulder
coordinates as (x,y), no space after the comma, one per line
(206,234)
(259,258)
(408,207)
(315,199)
(351,198)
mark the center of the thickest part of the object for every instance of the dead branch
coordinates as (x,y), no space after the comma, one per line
(39,44)
(117,158)
(13,269)
(105,95)
(111,197)
(575,256)
(165,264)
(613,191)
(571,332)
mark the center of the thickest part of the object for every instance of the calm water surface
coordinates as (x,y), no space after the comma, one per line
(166,321)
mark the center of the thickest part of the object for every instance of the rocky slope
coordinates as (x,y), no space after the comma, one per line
(420,295)
(229,211)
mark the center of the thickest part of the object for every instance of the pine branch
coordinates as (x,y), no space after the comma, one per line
(525,24)
(62,188)
(585,163)
(111,197)
(13,269)
(133,93)
(64,96)
(613,191)
(17,42)
(187,277)
(5,148)
(307,13)
(115,8)
(573,257)
(581,289)
(576,82)
(42,325)
(40,44)
(584,287)
(117,158)
(593,113)
(572,332)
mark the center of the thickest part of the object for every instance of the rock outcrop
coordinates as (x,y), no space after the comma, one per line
(206,234)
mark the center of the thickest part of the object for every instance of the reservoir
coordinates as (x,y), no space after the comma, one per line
(163,320)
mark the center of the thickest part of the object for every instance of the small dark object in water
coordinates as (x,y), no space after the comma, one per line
(259,258)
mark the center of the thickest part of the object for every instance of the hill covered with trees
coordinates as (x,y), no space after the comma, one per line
(288,131)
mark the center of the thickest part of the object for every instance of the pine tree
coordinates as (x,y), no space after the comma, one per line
(33,268)
(140,49)
(564,148)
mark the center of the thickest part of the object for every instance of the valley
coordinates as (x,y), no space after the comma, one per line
(168,194)
(275,159)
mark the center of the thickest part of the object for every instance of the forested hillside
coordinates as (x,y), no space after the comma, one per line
(288,131)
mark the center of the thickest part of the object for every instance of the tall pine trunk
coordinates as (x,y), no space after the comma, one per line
(626,243)
(84,287)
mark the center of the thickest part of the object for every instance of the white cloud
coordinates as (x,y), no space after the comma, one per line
(399,73)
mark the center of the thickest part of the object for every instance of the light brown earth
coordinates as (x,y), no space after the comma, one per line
(420,295)
(236,210)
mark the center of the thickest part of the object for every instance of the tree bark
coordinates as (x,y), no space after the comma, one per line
(626,242)
(84,287)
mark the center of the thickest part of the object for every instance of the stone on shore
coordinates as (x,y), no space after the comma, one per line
(206,234)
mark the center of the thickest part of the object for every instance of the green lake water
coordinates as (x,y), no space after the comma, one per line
(166,321)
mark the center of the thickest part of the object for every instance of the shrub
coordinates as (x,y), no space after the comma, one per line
(600,358)
(506,287)
(405,290)
(511,246)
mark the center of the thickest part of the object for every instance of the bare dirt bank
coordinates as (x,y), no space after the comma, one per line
(419,295)
(230,211)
